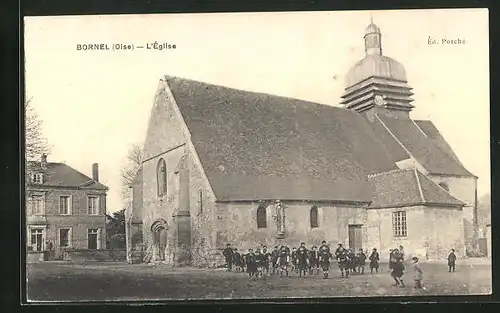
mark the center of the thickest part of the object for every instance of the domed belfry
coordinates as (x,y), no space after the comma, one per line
(377,83)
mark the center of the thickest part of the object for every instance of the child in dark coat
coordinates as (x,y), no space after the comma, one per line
(451,260)
(374,258)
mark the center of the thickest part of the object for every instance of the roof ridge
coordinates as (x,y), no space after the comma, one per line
(419,186)
(388,172)
(167,77)
(418,127)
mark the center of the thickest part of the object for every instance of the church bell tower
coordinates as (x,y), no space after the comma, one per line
(377,83)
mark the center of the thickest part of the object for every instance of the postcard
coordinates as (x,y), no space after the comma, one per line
(257,155)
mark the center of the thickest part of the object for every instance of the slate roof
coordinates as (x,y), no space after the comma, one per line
(408,188)
(258,146)
(265,145)
(62,175)
(435,136)
(431,150)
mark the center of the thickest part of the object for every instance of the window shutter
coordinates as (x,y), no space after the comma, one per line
(29,206)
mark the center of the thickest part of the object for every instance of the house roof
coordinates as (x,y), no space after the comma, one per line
(406,188)
(255,145)
(62,175)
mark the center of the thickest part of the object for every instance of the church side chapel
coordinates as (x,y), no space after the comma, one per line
(230,166)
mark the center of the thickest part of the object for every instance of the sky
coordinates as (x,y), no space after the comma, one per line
(95,104)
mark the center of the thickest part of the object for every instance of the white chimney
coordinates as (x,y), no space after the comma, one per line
(95,172)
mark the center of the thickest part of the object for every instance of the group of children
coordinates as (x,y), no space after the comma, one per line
(299,260)
(302,260)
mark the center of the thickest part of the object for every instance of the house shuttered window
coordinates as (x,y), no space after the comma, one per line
(64,205)
(93,205)
(37,204)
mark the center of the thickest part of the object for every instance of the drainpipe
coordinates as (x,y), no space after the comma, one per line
(475,221)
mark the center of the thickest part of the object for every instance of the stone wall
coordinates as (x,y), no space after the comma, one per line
(431,232)
(237,224)
(203,208)
(462,188)
(190,234)
(165,206)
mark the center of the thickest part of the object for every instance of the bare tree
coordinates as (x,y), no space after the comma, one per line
(131,167)
(36,144)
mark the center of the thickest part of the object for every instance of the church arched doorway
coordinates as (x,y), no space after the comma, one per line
(159,230)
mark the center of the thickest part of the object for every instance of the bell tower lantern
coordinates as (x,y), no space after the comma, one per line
(377,83)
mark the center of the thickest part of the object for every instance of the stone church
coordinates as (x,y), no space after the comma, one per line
(230,166)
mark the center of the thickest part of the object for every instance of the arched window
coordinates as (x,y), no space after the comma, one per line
(261,217)
(161,176)
(313,216)
(444,186)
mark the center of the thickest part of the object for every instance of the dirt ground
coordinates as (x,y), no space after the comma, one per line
(119,281)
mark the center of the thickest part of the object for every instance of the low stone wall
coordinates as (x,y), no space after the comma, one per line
(136,257)
(81,256)
(34,257)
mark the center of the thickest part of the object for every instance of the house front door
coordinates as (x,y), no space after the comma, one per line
(355,237)
(92,239)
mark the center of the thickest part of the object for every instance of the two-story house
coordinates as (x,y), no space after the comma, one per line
(65,209)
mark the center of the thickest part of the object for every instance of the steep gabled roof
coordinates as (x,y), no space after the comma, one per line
(404,188)
(62,175)
(255,145)
(430,150)
(433,134)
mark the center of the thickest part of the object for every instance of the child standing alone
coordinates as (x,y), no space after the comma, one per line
(417,274)
(452,258)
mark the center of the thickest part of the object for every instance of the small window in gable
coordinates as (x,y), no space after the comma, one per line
(444,186)
(37,178)
(313,216)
